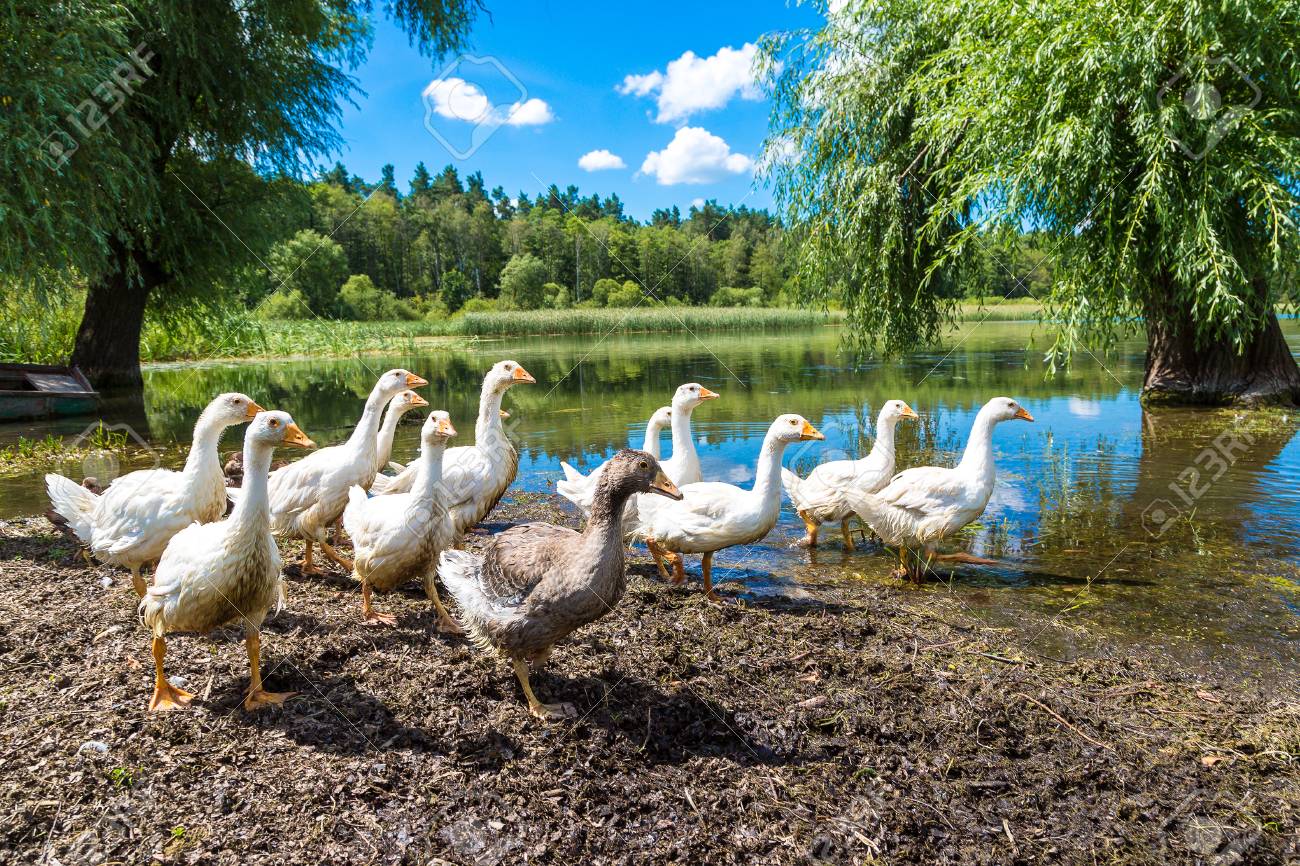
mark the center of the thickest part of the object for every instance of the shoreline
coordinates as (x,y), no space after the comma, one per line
(883,725)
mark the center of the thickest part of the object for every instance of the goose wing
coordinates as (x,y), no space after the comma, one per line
(519,558)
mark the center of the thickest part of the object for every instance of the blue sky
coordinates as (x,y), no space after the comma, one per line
(565,93)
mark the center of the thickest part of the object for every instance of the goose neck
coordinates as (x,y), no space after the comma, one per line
(252,508)
(767,475)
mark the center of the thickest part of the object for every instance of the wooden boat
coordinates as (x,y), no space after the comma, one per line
(44,390)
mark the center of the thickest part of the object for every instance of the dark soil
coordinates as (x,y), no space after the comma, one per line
(868,725)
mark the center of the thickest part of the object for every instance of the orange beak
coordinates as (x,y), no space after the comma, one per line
(416,399)
(444,428)
(809,432)
(706,394)
(253,409)
(414,381)
(908,413)
(1023,415)
(664,486)
(504,414)
(522,375)
(293,435)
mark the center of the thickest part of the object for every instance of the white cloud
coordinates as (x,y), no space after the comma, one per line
(697,202)
(695,155)
(641,85)
(692,83)
(600,160)
(458,99)
(531,112)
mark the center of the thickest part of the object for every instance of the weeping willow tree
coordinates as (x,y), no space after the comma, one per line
(1152,147)
(141,139)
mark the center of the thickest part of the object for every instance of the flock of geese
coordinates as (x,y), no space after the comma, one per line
(534,584)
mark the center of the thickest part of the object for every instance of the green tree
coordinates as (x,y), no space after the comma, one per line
(556,296)
(627,295)
(522,281)
(361,300)
(1155,152)
(146,205)
(312,264)
(456,290)
(602,288)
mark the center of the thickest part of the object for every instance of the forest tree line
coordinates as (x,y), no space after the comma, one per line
(372,251)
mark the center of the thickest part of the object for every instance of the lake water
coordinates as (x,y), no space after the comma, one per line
(1171,531)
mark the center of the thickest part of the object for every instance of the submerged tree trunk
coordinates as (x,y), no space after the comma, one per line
(1179,370)
(108,341)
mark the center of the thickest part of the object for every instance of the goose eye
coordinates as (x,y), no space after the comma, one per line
(273,423)
(643,465)
(792,421)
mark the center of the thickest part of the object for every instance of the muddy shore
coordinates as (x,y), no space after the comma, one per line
(886,727)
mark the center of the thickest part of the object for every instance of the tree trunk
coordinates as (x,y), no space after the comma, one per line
(1179,371)
(108,341)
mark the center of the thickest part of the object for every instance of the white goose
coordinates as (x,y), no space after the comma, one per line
(474,477)
(399,536)
(132,521)
(819,498)
(581,489)
(713,515)
(216,573)
(310,495)
(922,506)
(402,403)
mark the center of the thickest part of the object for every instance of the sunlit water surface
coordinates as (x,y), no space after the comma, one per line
(1109,520)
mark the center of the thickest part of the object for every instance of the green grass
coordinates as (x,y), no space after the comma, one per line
(1000,310)
(604,321)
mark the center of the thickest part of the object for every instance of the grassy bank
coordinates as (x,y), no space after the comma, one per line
(648,319)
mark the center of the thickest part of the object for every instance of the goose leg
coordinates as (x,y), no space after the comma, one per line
(848,538)
(810,528)
(165,695)
(257,696)
(658,555)
(368,614)
(138,582)
(536,707)
(308,565)
(333,556)
(706,568)
(446,624)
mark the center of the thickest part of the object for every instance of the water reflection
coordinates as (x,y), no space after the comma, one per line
(1066,516)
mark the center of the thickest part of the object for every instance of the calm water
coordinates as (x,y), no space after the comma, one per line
(1093,538)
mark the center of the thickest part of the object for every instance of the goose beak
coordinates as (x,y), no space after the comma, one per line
(706,394)
(908,412)
(663,486)
(252,411)
(810,432)
(416,399)
(444,428)
(504,414)
(1023,415)
(522,375)
(414,381)
(293,435)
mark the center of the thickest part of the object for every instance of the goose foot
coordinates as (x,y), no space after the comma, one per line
(165,695)
(255,700)
(168,697)
(553,712)
(547,712)
(369,615)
